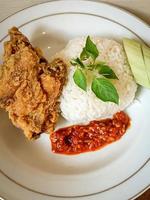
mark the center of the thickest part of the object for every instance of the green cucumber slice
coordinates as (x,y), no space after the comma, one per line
(146,55)
(135,58)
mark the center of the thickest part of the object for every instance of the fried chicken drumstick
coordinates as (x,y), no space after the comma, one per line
(30,87)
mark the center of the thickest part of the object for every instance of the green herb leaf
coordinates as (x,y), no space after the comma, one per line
(90,49)
(77,62)
(106,71)
(105,90)
(84,54)
(90,67)
(80,79)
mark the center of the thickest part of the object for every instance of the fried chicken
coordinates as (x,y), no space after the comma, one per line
(30,87)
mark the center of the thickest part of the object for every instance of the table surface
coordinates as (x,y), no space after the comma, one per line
(141,8)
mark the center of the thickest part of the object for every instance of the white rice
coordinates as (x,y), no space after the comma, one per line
(78,106)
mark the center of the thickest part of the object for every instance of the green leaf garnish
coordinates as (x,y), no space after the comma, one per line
(80,79)
(91,67)
(90,49)
(105,90)
(77,62)
(101,87)
(84,54)
(106,71)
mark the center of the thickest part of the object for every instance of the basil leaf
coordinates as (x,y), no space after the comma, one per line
(90,67)
(77,62)
(106,71)
(105,90)
(91,48)
(80,79)
(84,54)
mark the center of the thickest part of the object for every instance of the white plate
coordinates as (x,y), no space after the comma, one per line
(119,171)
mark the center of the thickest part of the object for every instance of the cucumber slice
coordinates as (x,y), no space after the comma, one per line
(146,55)
(135,58)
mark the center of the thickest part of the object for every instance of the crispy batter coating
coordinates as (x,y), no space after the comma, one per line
(30,87)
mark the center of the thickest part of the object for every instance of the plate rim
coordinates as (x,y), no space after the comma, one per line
(125,11)
(96,1)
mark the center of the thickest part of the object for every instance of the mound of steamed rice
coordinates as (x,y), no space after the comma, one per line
(78,106)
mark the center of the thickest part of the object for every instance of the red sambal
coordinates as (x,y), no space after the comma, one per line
(93,136)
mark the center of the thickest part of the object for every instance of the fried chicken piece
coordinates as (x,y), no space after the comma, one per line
(30,87)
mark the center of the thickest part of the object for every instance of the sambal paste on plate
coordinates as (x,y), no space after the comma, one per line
(93,136)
